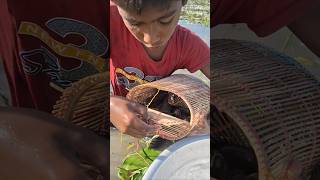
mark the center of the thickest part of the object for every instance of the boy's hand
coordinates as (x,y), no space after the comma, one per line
(35,145)
(203,127)
(128,117)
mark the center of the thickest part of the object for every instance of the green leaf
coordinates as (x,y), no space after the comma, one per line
(123,174)
(138,176)
(135,165)
(133,162)
(151,153)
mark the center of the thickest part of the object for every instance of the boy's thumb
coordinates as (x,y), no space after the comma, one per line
(141,110)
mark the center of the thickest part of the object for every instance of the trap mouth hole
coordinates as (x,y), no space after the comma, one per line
(168,103)
(232,153)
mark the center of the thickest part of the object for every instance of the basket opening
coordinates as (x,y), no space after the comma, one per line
(232,157)
(168,103)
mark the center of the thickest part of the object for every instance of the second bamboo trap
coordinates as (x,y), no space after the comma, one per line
(265,101)
(184,93)
(86,103)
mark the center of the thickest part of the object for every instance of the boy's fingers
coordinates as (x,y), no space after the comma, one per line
(140,129)
(143,127)
(140,109)
(151,133)
(136,134)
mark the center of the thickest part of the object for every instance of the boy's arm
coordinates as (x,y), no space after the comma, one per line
(307,28)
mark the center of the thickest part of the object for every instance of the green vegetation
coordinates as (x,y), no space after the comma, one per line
(136,164)
(197,11)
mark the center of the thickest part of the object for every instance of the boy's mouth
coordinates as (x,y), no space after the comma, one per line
(155,45)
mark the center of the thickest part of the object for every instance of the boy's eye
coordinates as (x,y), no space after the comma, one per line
(135,24)
(166,21)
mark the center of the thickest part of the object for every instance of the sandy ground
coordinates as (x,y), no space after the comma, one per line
(118,150)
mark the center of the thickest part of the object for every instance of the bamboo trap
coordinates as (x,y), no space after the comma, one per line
(267,102)
(86,103)
(170,126)
(186,93)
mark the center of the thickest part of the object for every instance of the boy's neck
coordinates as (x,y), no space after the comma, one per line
(155,54)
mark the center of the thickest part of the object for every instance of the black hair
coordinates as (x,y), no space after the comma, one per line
(137,6)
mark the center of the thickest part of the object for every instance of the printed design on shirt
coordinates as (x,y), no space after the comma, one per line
(91,55)
(130,77)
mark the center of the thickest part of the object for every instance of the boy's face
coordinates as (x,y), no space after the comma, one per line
(154,26)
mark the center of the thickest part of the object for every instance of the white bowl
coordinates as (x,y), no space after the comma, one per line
(186,160)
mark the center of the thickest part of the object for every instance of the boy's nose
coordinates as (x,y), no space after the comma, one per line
(151,36)
(150,39)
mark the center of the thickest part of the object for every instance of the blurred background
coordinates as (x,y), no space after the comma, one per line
(283,41)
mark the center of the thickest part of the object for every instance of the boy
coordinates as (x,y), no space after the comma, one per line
(47,45)
(265,17)
(146,45)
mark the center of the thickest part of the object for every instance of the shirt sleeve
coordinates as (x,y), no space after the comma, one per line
(195,53)
(263,17)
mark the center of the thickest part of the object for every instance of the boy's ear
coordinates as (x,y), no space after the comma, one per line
(184,2)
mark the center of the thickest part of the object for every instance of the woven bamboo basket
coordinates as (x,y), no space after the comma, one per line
(86,103)
(190,93)
(266,101)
